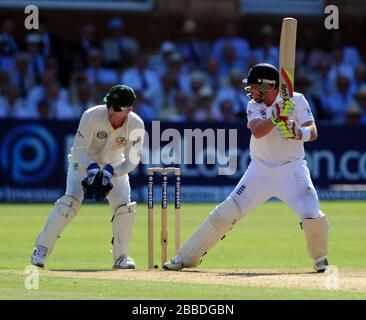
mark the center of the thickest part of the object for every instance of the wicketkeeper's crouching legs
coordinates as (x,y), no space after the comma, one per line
(220,221)
(122,221)
(63,212)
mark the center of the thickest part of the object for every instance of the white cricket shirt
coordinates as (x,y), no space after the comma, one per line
(272,148)
(97,141)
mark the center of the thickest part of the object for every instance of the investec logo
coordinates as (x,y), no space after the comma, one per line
(177,193)
(150,202)
(165,192)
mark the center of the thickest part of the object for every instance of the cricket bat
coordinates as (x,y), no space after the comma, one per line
(287,57)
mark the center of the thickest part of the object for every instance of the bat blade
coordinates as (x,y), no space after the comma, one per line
(287,57)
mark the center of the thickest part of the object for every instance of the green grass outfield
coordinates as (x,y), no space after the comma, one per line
(268,238)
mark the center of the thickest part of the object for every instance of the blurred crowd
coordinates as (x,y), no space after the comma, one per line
(190,79)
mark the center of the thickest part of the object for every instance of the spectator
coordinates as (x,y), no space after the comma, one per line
(20,77)
(36,60)
(204,105)
(38,93)
(175,68)
(337,103)
(267,50)
(350,55)
(212,74)
(320,80)
(52,45)
(118,49)
(11,104)
(170,87)
(353,116)
(97,74)
(240,45)
(58,106)
(43,110)
(339,67)
(230,61)
(185,108)
(8,46)
(359,76)
(159,61)
(82,47)
(81,99)
(147,81)
(227,111)
(197,82)
(4,82)
(233,93)
(142,108)
(357,111)
(307,56)
(194,51)
(303,85)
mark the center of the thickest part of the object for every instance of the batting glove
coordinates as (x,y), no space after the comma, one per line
(92,169)
(108,173)
(289,130)
(282,113)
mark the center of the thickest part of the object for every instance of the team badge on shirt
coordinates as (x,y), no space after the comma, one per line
(121,141)
(102,134)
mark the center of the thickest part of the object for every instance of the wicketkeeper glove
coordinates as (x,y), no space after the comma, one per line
(108,173)
(282,113)
(97,190)
(101,190)
(92,169)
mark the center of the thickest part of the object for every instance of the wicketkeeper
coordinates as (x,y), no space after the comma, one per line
(106,148)
(277,169)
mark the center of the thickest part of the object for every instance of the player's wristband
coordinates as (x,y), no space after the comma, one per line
(306,134)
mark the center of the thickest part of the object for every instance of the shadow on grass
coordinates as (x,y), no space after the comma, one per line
(82,270)
(261,274)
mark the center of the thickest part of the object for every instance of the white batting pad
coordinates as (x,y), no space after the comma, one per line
(316,235)
(217,224)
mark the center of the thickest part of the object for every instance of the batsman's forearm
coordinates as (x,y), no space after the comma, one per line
(261,128)
(313,130)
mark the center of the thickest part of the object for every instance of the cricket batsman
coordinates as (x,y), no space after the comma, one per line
(107,146)
(277,169)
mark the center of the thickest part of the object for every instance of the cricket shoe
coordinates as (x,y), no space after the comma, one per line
(320,264)
(124,262)
(39,256)
(175,264)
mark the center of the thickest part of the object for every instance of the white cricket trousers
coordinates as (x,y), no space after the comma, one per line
(291,183)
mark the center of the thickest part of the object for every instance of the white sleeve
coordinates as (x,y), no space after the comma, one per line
(303,111)
(82,141)
(253,112)
(132,151)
